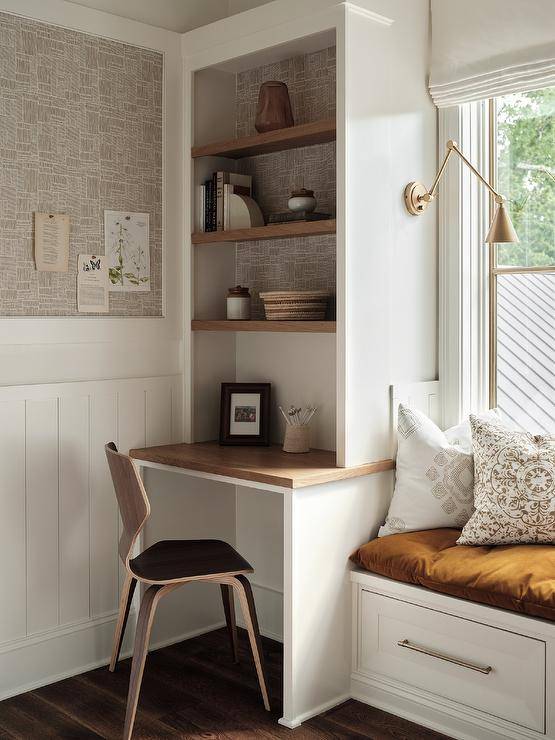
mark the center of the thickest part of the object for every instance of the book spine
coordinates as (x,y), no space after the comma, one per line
(210,205)
(227,189)
(201,207)
(220,181)
(214,204)
(207,189)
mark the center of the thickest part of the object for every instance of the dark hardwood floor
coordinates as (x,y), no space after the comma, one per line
(190,690)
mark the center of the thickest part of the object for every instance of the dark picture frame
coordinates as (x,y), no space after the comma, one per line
(245,414)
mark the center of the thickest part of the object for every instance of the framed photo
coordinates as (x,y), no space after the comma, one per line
(245,414)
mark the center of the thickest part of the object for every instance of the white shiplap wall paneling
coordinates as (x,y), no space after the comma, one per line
(12,521)
(42,484)
(59,528)
(104,513)
(74,508)
(158,418)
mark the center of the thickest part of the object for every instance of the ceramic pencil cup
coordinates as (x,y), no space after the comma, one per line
(296,438)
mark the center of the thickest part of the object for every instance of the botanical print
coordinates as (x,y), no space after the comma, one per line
(126,246)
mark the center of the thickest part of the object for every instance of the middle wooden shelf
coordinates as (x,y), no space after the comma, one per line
(272,231)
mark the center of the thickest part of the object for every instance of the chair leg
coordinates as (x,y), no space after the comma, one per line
(149,603)
(229,609)
(124,607)
(244,591)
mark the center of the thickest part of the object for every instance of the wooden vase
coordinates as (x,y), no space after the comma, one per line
(274,107)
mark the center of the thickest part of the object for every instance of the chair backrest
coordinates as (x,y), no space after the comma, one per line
(131,495)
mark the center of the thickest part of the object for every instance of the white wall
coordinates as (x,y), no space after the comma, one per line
(60,525)
(37,350)
(58,504)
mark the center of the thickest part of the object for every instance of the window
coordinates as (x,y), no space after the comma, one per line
(522,276)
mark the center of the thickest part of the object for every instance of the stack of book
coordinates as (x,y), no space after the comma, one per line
(214,199)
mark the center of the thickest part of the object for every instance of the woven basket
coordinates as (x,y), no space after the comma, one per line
(295,305)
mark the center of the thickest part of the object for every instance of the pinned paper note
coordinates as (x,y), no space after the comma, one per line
(126,244)
(51,242)
(92,284)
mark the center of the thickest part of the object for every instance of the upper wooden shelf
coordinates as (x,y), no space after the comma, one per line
(272,231)
(268,465)
(307,134)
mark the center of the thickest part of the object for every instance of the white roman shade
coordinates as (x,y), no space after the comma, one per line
(485,48)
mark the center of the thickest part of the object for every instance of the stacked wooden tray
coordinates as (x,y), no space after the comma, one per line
(295,305)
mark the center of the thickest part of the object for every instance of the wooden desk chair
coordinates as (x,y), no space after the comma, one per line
(165,566)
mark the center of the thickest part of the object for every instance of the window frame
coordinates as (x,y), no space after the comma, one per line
(468,270)
(464,211)
(494,268)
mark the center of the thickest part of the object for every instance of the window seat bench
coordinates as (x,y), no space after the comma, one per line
(516,577)
(459,639)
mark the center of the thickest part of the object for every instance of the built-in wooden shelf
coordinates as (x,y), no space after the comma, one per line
(316,327)
(269,465)
(272,231)
(306,134)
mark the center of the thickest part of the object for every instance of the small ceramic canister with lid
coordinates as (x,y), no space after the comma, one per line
(302,200)
(238,304)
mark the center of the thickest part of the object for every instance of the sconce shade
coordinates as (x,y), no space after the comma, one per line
(501,229)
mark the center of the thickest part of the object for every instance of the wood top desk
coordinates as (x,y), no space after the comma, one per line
(269,466)
(327,513)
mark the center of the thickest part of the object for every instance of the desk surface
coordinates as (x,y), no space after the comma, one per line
(269,465)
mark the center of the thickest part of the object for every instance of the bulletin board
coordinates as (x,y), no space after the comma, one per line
(81,124)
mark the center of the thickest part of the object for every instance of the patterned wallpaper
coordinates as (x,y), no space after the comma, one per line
(298,263)
(80,132)
(280,264)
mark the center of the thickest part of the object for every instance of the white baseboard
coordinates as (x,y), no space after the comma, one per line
(446,717)
(269,609)
(325,707)
(182,637)
(68,652)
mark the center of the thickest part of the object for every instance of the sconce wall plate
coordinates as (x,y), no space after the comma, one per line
(413,194)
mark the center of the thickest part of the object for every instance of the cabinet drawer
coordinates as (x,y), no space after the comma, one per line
(486,668)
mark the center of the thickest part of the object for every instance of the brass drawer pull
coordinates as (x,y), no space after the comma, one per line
(463,663)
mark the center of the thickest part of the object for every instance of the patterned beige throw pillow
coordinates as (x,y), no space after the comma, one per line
(514,487)
(434,476)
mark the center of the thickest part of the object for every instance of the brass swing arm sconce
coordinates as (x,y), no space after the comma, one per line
(418,198)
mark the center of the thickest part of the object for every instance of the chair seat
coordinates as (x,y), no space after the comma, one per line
(171,560)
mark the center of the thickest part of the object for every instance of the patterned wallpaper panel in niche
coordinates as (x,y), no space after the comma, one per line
(310,79)
(306,263)
(301,263)
(276,175)
(80,132)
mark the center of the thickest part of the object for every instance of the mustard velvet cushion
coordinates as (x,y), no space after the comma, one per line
(516,577)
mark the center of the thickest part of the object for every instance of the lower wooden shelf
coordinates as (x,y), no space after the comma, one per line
(316,327)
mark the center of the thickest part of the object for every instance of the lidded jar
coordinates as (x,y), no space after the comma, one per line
(302,200)
(238,304)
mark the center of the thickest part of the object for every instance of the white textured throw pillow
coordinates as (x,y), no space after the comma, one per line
(514,493)
(434,485)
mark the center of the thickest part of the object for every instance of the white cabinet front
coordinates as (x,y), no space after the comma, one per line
(483,667)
